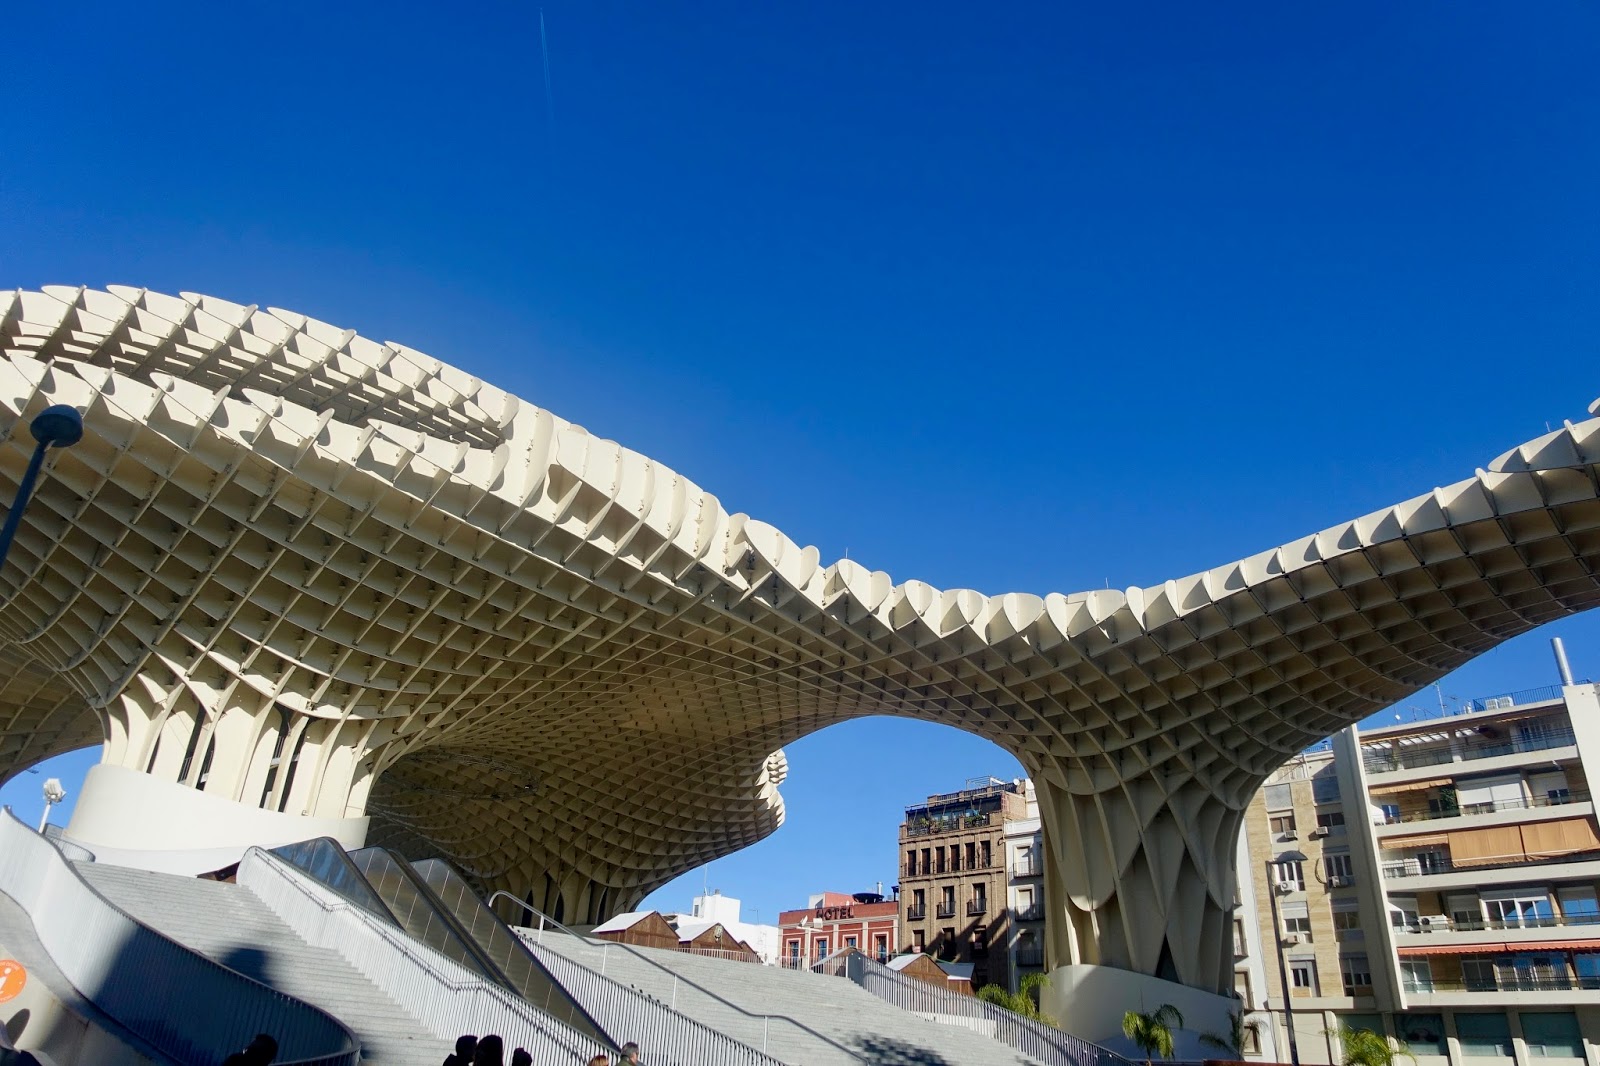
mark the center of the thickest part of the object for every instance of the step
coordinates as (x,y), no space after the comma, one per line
(228,924)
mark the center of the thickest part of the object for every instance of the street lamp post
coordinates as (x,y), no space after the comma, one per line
(53,794)
(1277,942)
(61,426)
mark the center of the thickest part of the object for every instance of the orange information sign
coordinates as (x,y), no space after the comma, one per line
(12,977)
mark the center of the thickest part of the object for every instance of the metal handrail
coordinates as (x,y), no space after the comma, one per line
(443,995)
(1416,868)
(606,945)
(1053,1046)
(1462,810)
(200,1010)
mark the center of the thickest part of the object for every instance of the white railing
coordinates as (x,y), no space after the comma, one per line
(769,1022)
(674,1039)
(444,996)
(180,1002)
(1043,1042)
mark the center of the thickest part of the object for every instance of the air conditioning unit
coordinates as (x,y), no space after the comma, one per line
(1283,888)
(1291,939)
(1318,833)
(1339,882)
(1288,834)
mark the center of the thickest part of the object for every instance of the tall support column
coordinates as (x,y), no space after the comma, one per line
(1141,879)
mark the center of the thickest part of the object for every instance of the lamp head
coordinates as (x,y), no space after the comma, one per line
(60,426)
(53,792)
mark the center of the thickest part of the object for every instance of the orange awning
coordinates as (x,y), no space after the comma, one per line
(1421,840)
(1494,949)
(1410,786)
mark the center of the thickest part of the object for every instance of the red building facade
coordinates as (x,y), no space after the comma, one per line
(835,921)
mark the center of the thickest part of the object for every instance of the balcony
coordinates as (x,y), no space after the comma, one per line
(946,910)
(977,908)
(1393,870)
(1524,804)
(916,914)
(929,826)
(1026,868)
(1031,913)
(1386,760)
(1030,956)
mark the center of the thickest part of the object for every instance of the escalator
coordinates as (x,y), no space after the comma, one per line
(434,905)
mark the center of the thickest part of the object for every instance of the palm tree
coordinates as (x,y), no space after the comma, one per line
(1363,1047)
(1233,1040)
(1024,1001)
(1151,1033)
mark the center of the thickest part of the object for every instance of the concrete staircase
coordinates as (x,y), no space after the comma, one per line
(229,925)
(873,1031)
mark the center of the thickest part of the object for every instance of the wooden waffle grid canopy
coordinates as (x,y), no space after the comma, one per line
(312,573)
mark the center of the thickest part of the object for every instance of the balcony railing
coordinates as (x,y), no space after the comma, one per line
(928,826)
(1034,912)
(1542,694)
(916,914)
(977,908)
(1416,868)
(1033,956)
(1026,868)
(1384,760)
(1505,982)
(1523,804)
(1443,923)
(946,910)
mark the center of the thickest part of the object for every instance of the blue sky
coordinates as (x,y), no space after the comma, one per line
(1039,298)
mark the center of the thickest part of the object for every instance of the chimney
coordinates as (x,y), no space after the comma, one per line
(1561,660)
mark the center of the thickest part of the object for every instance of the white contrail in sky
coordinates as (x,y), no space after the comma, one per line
(549,100)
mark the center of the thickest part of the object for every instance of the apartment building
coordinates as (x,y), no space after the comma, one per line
(1024,946)
(953,890)
(1434,880)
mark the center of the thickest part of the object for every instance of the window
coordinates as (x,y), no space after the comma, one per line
(911,862)
(927,866)
(1338,869)
(1490,794)
(1025,900)
(947,943)
(1357,975)
(1241,986)
(822,947)
(1296,919)
(1484,1036)
(1552,1035)
(1290,873)
(1283,825)
(1333,822)
(939,852)
(1477,975)
(1303,976)
(1347,925)
(955,857)
(880,947)
(1251,1045)
(1524,910)
(1325,789)
(1587,965)
(918,940)
(850,942)
(972,856)
(1278,797)
(1238,938)
(1423,1032)
(1417,976)
(1391,812)
(983,854)
(980,940)
(1578,906)
(794,949)
(1532,973)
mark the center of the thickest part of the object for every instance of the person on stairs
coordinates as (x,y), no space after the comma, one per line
(491,1052)
(260,1052)
(466,1044)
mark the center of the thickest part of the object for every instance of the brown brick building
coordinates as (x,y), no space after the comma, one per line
(953,875)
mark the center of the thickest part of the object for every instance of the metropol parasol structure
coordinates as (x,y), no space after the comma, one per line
(302,583)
